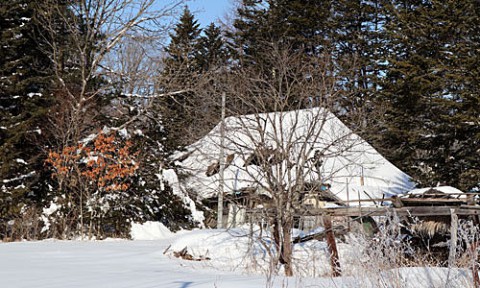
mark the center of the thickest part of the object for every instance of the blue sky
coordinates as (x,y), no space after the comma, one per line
(207,11)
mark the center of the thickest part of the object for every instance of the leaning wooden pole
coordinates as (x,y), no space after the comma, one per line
(332,246)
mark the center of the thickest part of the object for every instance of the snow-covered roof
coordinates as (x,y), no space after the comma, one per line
(443,189)
(352,166)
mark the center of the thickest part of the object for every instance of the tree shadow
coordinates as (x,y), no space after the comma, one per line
(183,284)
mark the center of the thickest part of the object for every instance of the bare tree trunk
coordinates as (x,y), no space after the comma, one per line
(287,248)
(277,240)
(276,144)
(94,30)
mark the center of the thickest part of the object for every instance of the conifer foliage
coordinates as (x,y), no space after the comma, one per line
(413,62)
(192,61)
(54,95)
(431,88)
(249,31)
(181,73)
(25,100)
(212,53)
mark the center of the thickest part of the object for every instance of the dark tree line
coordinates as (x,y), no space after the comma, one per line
(26,85)
(431,91)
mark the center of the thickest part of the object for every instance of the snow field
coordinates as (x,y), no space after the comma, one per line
(236,261)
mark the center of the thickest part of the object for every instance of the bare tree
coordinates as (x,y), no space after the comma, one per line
(283,144)
(135,65)
(289,143)
(94,31)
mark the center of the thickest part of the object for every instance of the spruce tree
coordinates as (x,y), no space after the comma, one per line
(181,61)
(212,52)
(431,128)
(181,73)
(301,25)
(266,29)
(151,197)
(355,31)
(248,37)
(25,100)
(464,106)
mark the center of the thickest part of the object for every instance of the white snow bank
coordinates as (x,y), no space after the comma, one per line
(98,264)
(249,251)
(233,250)
(150,231)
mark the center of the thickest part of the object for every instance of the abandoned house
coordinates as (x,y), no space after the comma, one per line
(265,153)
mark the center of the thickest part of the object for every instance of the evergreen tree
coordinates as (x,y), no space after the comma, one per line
(264,29)
(465,113)
(301,25)
(25,101)
(32,97)
(181,62)
(414,60)
(151,196)
(432,98)
(181,73)
(212,52)
(356,28)
(248,36)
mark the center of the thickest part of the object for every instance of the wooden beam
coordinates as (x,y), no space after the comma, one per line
(431,201)
(402,211)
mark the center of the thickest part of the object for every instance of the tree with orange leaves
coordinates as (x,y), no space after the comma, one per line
(92,176)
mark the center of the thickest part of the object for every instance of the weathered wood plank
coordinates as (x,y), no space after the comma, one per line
(453,237)
(430,201)
(402,211)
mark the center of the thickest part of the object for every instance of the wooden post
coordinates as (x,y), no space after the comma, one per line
(332,246)
(453,238)
(470,199)
(476,279)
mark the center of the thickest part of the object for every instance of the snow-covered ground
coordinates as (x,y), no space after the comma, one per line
(139,264)
(149,263)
